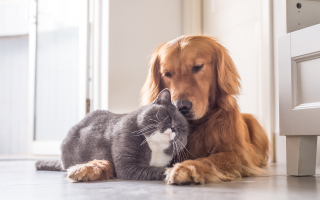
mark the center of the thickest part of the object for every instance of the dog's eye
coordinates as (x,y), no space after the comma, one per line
(168,74)
(197,68)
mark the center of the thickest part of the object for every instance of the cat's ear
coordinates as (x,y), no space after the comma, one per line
(164,97)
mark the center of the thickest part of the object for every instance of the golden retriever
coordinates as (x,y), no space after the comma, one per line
(223,144)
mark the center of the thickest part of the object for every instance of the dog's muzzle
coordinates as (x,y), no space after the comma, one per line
(183,106)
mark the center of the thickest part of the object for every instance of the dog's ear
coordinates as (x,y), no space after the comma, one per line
(228,79)
(152,85)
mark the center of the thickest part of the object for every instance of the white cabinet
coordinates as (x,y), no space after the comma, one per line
(299,82)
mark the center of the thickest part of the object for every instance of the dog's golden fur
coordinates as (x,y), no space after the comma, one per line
(223,143)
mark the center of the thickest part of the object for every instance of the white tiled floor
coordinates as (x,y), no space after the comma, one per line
(19,180)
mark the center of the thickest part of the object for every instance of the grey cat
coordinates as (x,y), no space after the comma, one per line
(140,144)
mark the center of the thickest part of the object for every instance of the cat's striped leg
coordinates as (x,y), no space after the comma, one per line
(92,171)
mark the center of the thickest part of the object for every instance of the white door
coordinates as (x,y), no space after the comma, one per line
(299,81)
(58,71)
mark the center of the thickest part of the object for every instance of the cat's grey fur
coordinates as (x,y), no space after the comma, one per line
(121,138)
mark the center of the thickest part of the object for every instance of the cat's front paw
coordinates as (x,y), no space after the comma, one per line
(91,171)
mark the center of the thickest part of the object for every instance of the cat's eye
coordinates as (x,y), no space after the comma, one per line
(181,129)
(197,68)
(168,74)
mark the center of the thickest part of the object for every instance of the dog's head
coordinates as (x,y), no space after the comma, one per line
(198,72)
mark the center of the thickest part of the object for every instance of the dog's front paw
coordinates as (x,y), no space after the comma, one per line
(91,171)
(184,174)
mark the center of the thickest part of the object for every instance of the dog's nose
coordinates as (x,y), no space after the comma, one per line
(183,106)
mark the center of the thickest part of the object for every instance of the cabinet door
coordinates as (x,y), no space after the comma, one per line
(300,82)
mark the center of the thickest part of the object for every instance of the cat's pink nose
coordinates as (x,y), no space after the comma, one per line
(168,131)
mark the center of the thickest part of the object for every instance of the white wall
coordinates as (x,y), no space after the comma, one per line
(136,28)
(239,32)
(243,28)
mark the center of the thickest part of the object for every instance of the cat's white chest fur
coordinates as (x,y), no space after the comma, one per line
(158,143)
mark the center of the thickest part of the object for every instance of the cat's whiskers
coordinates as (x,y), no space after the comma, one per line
(151,128)
(213,149)
(165,119)
(147,131)
(182,152)
(144,141)
(155,121)
(145,128)
(184,147)
(158,118)
(182,155)
(179,151)
(175,151)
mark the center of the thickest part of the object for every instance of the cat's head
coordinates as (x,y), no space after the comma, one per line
(161,116)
